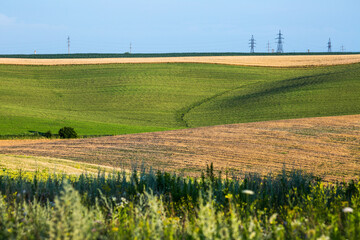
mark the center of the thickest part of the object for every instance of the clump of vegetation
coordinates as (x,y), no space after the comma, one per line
(149,205)
(67,132)
(48,134)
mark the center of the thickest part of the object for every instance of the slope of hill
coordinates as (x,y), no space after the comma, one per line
(327,93)
(131,98)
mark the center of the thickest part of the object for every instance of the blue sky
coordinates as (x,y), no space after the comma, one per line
(176,25)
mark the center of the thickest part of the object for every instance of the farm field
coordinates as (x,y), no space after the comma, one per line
(280,179)
(179,120)
(327,147)
(245,60)
(132,98)
(51,165)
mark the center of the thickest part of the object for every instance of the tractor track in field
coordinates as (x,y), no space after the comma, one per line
(185,111)
(182,113)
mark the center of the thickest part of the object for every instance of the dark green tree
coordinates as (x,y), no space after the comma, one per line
(67,132)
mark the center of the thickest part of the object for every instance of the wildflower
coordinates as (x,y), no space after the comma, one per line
(115,229)
(252,235)
(248,192)
(347,210)
(295,224)
(124,200)
(229,196)
(122,203)
(273,218)
(323,237)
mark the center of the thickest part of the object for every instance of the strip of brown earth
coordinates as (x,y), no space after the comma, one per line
(328,147)
(268,61)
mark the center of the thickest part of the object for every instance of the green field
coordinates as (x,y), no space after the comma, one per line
(130,98)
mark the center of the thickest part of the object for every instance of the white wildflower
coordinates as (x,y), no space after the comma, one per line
(248,192)
(295,224)
(347,210)
(323,237)
(124,200)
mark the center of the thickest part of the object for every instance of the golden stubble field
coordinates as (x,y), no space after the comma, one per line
(268,61)
(53,165)
(328,147)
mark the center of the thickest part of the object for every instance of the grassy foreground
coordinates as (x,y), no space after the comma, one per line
(131,98)
(148,205)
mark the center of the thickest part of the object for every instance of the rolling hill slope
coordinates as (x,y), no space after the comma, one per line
(131,98)
(329,93)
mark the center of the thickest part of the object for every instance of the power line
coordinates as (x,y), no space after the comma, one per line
(252,44)
(268,46)
(280,43)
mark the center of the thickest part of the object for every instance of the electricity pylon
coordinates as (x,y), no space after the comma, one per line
(68,40)
(279,43)
(252,44)
(329,45)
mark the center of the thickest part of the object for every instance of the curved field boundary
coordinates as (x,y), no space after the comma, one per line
(182,113)
(267,61)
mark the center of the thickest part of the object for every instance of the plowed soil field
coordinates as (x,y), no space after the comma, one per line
(328,147)
(268,61)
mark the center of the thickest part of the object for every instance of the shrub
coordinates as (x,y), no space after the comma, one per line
(48,134)
(67,132)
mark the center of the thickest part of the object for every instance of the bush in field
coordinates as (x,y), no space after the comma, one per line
(67,132)
(48,134)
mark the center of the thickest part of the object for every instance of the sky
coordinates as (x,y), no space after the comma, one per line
(160,26)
